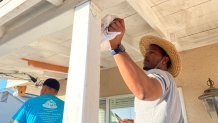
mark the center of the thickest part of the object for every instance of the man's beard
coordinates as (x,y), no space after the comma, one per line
(146,68)
(147,65)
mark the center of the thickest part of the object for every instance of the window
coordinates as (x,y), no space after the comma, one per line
(124,106)
(183,104)
(102,111)
(121,105)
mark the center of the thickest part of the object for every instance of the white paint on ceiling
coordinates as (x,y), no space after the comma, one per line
(187,23)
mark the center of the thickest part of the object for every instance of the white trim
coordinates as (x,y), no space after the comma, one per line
(108,103)
(4,2)
(56,2)
(8,6)
(12,8)
(183,104)
(12,83)
(117,96)
(107,110)
(82,91)
(19,35)
(128,95)
(12,94)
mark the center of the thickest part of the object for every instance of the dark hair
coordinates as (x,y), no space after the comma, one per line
(164,53)
(52,83)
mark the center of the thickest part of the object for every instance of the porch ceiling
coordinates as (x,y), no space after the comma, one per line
(41,31)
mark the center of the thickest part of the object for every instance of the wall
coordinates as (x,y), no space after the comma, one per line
(112,83)
(9,108)
(197,65)
(62,91)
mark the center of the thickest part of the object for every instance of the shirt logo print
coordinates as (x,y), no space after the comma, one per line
(50,104)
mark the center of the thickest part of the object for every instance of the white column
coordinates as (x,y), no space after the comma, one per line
(82,92)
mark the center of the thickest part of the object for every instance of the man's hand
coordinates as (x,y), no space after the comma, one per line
(127,121)
(117,25)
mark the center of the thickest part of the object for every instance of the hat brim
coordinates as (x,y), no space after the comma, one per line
(170,49)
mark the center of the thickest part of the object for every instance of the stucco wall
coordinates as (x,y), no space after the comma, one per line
(197,65)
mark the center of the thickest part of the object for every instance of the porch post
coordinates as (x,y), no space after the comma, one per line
(82,91)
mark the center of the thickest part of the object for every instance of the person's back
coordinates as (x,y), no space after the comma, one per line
(46,108)
(42,109)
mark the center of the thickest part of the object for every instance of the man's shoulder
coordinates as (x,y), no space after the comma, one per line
(160,74)
(34,99)
(53,97)
(157,71)
(43,98)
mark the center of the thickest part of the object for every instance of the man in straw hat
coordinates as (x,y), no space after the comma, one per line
(156,96)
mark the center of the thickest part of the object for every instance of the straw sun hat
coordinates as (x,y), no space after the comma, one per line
(170,49)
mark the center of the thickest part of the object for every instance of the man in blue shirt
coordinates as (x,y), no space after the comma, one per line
(46,108)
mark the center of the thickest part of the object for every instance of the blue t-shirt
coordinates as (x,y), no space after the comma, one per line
(42,109)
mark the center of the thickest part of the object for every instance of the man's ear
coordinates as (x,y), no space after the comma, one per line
(165,60)
(45,89)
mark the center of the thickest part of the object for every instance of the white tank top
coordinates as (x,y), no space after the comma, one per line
(167,109)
